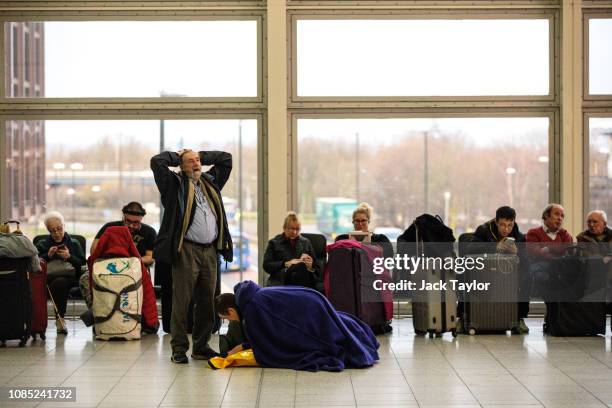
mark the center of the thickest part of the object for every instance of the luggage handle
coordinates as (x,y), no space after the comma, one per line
(6,227)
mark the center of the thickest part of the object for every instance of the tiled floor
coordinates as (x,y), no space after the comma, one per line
(480,371)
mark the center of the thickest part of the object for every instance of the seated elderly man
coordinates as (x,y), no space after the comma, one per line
(597,238)
(550,239)
(546,243)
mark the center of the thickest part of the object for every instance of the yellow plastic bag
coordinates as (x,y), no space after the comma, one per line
(241,359)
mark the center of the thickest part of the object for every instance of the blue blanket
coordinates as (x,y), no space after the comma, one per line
(296,327)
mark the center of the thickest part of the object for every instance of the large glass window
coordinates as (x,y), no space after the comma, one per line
(600,164)
(146,58)
(462,169)
(88,169)
(437,57)
(600,56)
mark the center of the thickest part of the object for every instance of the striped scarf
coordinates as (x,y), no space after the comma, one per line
(216,205)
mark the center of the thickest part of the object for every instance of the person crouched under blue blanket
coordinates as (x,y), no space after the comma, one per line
(296,327)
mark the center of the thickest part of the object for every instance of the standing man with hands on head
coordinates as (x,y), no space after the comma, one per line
(193,232)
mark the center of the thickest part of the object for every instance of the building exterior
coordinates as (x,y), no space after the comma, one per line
(25,140)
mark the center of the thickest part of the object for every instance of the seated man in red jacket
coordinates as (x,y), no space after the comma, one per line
(551,238)
(546,243)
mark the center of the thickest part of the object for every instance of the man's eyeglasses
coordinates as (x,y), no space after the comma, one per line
(56,229)
(131,223)
(360,221)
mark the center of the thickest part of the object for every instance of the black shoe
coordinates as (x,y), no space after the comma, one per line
(179,358)
(207,354)
(148,329)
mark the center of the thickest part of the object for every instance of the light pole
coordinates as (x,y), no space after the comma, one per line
(74,167)
(447,196)
(57,167)
(357,170)
(425,171)
(510,171)
(240,203)
(162,137)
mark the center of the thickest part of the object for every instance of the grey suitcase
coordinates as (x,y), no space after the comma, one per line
(435,312)
(496,309)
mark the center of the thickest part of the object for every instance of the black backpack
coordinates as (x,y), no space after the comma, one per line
(428,228)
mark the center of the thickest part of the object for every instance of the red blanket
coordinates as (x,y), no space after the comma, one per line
(117,242)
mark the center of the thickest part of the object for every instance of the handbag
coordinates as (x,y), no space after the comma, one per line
(60,268)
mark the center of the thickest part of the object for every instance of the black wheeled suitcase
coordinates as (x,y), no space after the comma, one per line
(494,310)
(576,304)
(15,300)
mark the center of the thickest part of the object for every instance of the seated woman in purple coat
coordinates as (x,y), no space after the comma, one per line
(296,327)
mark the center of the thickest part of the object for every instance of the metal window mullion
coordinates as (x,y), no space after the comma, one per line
(5,200)
(420,4)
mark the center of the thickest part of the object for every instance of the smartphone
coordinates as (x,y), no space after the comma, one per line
(61,247)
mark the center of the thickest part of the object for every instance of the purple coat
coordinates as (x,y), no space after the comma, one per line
(296,327)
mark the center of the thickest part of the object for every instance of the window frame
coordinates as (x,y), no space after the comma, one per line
(586,151)
(135,102)
(587,16)
(294,100)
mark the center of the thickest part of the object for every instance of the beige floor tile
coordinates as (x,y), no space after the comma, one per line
(469,371)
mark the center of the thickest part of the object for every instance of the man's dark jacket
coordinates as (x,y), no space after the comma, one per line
(488,233)
(172,187)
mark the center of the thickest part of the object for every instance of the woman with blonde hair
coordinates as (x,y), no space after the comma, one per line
(289,257)
(362,216)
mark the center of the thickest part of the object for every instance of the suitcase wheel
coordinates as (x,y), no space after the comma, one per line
(33,336)
(514,330)
(454,332)
(431,335)
(420,332)
(22,342)
(545,328)
(472,331)
(3,343)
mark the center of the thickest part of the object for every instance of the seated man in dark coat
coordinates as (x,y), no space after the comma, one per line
(597,238)
(296,327)
(504,231)
(289,257)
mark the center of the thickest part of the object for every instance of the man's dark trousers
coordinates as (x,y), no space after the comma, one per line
(194,275)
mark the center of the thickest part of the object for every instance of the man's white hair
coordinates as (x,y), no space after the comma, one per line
(601,213)
(53,215)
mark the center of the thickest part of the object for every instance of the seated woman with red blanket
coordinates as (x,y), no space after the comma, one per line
(296,327)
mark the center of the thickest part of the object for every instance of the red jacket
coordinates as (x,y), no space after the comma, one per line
(117,242)
(555,247)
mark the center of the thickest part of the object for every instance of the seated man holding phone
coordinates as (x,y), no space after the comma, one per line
(504,230)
